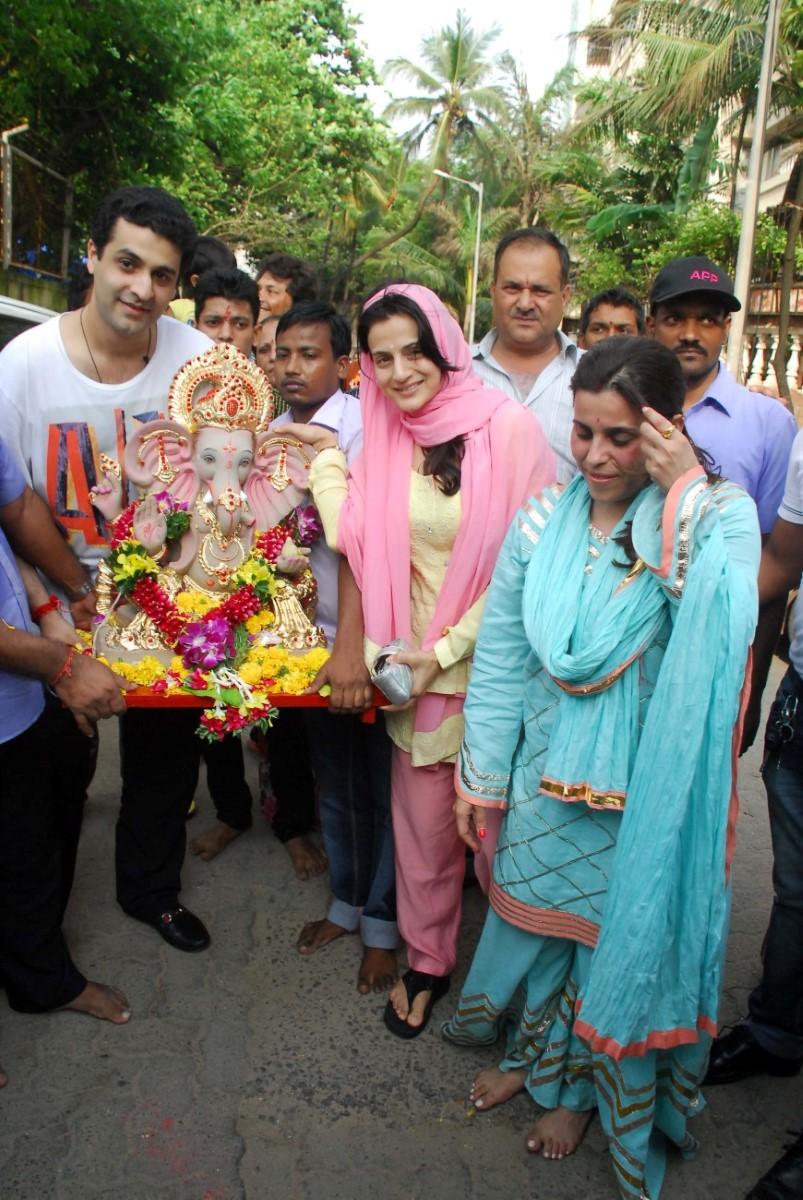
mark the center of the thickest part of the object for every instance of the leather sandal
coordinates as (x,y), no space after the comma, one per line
(416,982)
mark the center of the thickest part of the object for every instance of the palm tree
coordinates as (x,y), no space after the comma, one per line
(700,62)
(456,104)
(455,242)
(697,61)
(455,99)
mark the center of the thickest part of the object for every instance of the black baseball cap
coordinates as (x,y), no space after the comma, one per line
(697,274)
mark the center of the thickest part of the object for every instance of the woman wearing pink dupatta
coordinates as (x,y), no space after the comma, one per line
(446,463)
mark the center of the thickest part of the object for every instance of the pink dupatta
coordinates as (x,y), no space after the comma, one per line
(506,459)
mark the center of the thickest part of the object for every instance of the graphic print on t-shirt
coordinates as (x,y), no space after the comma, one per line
(73,470)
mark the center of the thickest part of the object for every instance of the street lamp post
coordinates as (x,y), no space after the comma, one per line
(744,261)
(479,189)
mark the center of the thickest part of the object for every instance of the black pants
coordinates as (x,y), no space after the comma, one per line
(289,772)
(44,774)
(225,778)
(159,757)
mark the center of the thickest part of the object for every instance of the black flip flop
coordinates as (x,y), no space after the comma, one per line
(416,982)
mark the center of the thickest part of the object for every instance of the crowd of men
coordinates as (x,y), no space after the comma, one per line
(154,295)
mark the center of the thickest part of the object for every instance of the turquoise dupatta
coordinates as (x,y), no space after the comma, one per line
(656,971)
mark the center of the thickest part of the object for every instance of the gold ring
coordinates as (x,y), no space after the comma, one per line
(667,433)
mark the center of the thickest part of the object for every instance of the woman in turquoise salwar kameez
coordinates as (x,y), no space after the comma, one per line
(602,717)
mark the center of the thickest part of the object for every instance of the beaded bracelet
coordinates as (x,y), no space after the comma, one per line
(52,604)
(65,669)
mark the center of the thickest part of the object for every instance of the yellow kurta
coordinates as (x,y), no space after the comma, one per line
(434,522)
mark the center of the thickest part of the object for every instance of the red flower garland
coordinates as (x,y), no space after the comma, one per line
(122,527)
(154,601)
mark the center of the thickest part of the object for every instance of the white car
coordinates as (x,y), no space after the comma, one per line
(17,315)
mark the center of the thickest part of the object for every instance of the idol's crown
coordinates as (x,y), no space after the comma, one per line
(221,387)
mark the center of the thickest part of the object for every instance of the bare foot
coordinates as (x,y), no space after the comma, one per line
(102,1001)
(558,1133)
(411,1015)
(493,1086)
(209,844)
(317,934)
(307,858)
(377,970)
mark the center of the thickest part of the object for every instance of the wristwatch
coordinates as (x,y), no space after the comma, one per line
(76,594)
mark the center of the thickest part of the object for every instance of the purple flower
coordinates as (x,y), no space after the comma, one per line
(167,503)
(308,524)
(207,643)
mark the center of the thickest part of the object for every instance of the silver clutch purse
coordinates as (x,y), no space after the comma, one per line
(394,680)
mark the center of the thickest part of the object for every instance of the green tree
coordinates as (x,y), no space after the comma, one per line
(456,102)
(456,98)
(95,83)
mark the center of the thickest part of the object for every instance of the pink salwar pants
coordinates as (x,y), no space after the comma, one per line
(431,861)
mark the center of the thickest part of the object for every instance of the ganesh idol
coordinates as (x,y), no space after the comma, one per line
(223,510)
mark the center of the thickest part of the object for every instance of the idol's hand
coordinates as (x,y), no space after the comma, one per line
(315,436)
(150,525)
(668,453)
(292,559)
(425,668)
(470,822)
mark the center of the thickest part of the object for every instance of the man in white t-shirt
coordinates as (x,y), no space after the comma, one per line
(770,1041)
(71,390)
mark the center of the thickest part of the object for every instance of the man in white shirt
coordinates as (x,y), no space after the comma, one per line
(526,354)
(71,390)
(351,759)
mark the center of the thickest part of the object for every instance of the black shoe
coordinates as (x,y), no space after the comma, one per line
(783,1181)
(181,929)
(737,1055)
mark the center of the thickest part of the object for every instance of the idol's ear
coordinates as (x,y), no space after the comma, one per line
(159,456)
(279,479)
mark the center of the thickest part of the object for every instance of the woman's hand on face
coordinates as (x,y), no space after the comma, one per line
(470,820)
(666,458)
(317,437)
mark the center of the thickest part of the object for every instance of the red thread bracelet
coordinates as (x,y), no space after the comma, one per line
(65,669)
(53,604)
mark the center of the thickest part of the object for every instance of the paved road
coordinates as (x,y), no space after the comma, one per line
(248,1072)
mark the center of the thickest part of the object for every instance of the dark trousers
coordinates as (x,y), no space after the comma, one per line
(286,769)
(776,1004)
(44,774)
(225,778)
(159,757)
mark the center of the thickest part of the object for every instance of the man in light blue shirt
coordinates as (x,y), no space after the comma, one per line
(748,435)
(42,790)
(525,354)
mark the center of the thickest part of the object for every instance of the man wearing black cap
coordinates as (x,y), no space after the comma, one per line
(748,435)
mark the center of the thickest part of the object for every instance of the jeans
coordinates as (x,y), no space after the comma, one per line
(776,1005)
(351,760)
